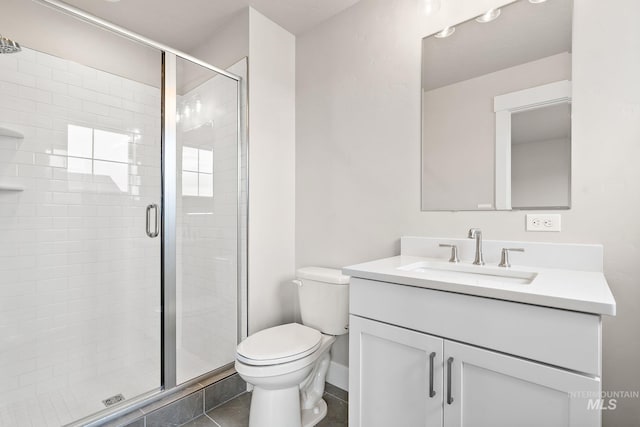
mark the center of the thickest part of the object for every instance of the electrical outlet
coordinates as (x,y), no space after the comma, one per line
(543,222)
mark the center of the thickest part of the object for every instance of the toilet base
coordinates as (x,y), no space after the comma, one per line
(311,417)
(282,409)
(275,407)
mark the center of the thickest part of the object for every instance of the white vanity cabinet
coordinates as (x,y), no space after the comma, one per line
(423,357)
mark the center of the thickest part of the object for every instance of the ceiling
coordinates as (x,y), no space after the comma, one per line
(186,24)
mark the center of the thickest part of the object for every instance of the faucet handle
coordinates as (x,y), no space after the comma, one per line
(504,256)
(454,252)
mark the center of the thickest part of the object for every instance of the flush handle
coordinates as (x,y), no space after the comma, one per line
(432,392)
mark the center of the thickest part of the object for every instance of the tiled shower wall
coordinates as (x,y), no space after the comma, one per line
(207,233)
(79,278)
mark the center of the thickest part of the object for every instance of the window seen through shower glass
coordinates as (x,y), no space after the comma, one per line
(197,172)
(99,152)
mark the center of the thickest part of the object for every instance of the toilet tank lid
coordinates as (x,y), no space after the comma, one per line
(321,274)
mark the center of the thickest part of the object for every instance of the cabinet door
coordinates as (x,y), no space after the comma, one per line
(395,376)
(490,389)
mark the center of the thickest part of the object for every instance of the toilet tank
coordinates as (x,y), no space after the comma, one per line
(323,294)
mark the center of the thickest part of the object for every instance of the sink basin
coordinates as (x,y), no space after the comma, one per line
(477,274)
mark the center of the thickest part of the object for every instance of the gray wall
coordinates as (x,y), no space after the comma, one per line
(358,153)
(272,77)
(540,173)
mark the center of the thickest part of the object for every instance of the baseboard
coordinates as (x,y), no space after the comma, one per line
(338,375)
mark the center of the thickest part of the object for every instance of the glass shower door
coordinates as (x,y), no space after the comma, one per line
(207,220)
(80,305)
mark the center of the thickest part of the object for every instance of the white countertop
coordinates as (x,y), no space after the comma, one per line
(584,291)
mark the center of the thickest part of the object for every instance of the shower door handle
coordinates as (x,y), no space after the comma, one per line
(156,230)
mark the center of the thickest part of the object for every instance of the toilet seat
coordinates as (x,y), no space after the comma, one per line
(277,345)
(275,370)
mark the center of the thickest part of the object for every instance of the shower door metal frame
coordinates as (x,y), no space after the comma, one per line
(168,208)
(169,158)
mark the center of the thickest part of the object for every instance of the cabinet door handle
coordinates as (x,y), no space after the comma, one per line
(432,392)
(449,396)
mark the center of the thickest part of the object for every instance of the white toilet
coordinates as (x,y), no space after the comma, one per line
(287,364)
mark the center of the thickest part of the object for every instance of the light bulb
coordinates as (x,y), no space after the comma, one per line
(489,16)
(446,32)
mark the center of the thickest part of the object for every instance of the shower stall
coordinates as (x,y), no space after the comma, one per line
(123,206)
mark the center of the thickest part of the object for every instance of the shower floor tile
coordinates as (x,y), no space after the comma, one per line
(64,405)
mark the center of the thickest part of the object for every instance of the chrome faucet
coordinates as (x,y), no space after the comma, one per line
(476,233)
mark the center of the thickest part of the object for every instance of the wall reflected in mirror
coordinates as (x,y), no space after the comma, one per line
(465,69)
(541,157)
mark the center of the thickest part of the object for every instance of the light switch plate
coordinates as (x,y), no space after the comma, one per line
(543,222)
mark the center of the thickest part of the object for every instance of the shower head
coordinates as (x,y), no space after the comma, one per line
(8,46)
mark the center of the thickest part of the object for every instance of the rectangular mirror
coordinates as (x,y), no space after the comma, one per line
(496,110)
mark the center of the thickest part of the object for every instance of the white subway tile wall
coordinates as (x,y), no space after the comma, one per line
(79,278)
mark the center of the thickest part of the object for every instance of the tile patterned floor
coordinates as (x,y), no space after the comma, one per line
(235,413)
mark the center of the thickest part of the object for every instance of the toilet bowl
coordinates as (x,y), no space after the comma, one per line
(287,364)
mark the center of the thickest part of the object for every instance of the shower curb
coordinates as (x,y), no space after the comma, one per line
(183,405)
